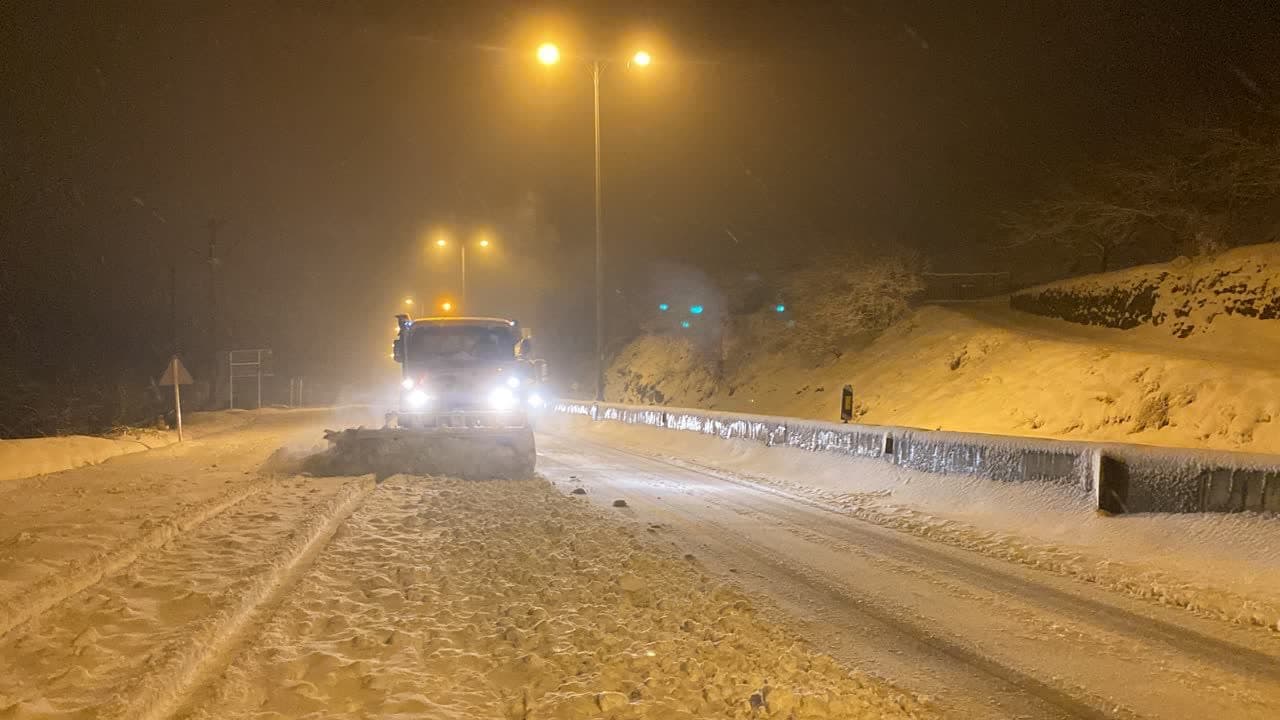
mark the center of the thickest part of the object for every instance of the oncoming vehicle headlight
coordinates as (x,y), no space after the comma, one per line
(513,382)
(535,400)
(407,383)
(501,398)
(416,399)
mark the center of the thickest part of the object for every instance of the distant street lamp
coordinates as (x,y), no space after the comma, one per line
(483,243)
(417,307)
(549,54)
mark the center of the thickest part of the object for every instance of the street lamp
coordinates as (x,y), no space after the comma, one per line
(483,243)
(549,54)
(413,304)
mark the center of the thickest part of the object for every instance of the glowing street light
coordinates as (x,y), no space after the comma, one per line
(549,54)
(410,302)
(446,306)
(484,243)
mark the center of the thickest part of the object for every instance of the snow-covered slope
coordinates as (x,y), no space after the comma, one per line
(1185,297)
(986,368)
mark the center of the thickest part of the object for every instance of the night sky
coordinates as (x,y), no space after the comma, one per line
(329,140)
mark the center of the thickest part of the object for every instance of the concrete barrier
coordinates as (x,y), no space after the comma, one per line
(1134,478)
(1120,478)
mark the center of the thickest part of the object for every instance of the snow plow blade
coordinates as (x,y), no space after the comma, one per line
(468,453)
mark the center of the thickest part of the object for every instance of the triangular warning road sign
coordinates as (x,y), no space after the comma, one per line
(184,377)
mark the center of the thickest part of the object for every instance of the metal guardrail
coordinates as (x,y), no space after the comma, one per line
(1120,478)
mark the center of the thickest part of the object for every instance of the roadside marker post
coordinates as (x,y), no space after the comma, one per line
(846,404)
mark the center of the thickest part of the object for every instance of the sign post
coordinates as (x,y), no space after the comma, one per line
(177,376)
(255,363)
(177,396)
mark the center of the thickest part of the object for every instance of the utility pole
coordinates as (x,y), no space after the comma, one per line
(173,303)
(214,226)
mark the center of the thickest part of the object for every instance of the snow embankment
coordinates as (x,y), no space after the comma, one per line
(1184,297)
(28,457)
(987,369)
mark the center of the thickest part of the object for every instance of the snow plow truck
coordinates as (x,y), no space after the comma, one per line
(469,390)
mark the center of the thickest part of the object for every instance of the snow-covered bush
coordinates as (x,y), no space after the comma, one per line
(844,301)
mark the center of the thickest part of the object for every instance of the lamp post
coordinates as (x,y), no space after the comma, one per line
(483,243)
(549,54)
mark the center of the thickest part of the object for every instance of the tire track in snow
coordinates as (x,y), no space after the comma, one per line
(1039,698)
(179,670)
(1249,666)
(52,589)
(816,518)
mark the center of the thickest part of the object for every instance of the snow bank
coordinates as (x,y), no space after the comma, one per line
(39,456)
(1184,296)
(984,368)
(27,457)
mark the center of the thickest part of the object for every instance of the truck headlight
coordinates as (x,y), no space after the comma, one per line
(416,399)
(407,383)
(513,382)
(535,400)
(501,398)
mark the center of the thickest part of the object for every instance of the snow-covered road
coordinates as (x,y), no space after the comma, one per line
(981,636)
(209,581)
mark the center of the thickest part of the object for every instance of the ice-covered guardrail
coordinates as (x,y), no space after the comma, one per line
(1121,478)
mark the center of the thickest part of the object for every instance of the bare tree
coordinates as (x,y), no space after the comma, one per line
(1194,197)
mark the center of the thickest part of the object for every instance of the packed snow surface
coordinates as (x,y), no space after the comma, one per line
(505,599)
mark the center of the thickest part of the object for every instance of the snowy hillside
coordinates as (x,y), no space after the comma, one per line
(986,368)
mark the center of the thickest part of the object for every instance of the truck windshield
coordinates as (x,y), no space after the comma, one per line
(460,343)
